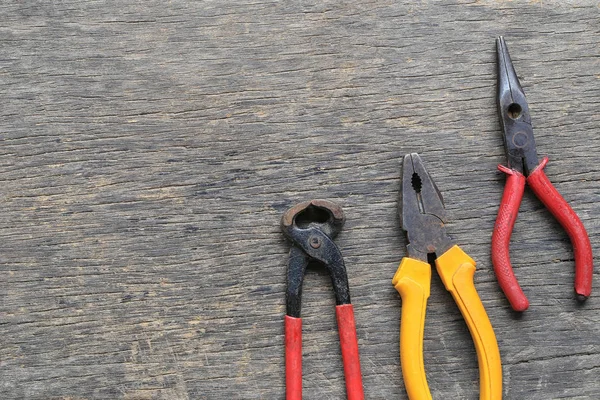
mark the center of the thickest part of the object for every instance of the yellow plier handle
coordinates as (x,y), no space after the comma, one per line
(456,269)
(412,280)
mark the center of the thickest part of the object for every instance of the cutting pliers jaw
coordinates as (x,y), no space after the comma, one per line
(311,227)
(514,115)
(422,212)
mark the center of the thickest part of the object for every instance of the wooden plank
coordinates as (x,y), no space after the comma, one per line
(150,148)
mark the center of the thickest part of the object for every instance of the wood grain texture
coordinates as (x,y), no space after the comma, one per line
(149,148)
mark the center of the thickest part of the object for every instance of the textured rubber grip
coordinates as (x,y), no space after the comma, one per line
(349,346)
(293,358)
(507,215)
(456,269)
(413,281)
(564,214)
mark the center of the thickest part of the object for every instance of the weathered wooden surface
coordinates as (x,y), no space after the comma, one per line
(149,149)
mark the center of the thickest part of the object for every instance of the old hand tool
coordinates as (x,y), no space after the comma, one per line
(423,217)
(311,227)
(523,166)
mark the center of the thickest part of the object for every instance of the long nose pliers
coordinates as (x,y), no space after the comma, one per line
(523,166)
(423,216)
(311,227)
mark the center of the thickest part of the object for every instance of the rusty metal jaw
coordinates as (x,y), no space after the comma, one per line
(422,211)
(314,242)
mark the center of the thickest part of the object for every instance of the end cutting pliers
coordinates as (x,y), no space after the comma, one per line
(423,217)
(523,166)
(311,227)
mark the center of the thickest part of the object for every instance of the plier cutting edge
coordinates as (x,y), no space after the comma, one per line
(523,166)
(311,227)
(423,216)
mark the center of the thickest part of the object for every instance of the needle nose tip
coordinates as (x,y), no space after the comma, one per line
(501,47)
(506,75)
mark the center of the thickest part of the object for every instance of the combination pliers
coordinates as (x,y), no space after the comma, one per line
(423,216)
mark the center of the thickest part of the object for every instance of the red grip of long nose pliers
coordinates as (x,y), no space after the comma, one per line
(349,345)
(507,215)
(564,214)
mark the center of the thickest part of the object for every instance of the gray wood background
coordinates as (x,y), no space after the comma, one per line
(149,148)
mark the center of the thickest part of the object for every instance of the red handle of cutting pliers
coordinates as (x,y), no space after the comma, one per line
(349,345)
(507,215)
(293,358)
(564,214)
